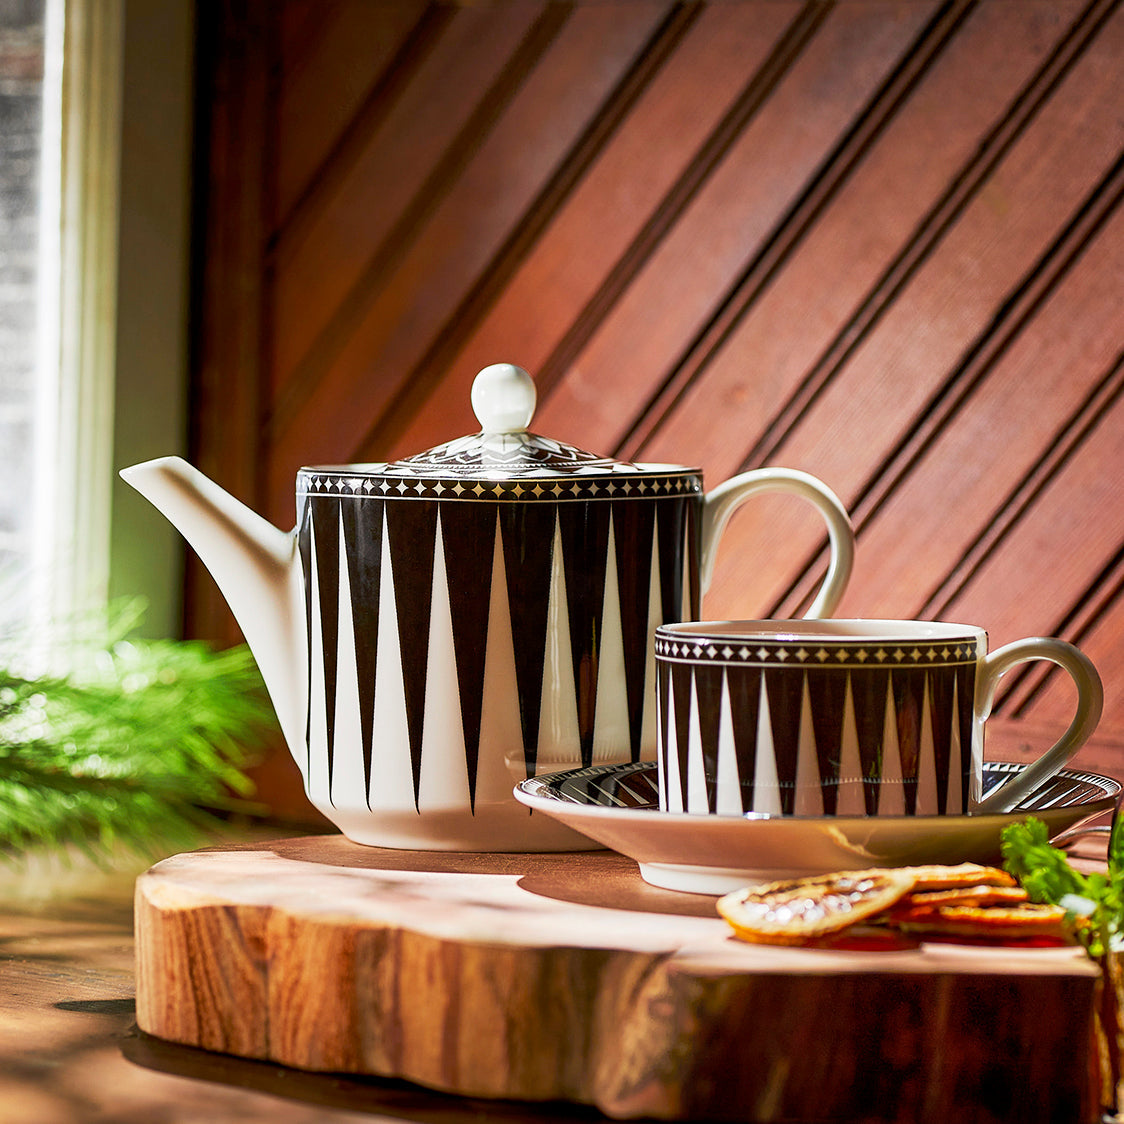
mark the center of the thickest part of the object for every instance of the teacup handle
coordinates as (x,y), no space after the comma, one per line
(1090,702)
(723,501)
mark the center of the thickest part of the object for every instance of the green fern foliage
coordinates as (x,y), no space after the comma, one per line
(137,744)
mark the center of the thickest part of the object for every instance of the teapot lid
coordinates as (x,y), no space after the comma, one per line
(503,399)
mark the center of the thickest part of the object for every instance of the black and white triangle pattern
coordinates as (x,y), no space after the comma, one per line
(830,738)
(456,648)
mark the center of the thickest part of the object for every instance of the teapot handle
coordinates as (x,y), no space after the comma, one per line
(723,501)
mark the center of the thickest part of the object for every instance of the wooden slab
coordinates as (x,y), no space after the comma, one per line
(566,977)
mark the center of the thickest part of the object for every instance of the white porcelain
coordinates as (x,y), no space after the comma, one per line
(616,805)
(844,717)
(436,629)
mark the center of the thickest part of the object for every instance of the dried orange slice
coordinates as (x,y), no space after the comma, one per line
(963,895)
(800,910)
(964,874)
(1027,919)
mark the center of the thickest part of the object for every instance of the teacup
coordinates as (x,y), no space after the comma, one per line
(844,717)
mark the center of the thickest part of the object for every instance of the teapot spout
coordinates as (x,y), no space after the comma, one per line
(255,566)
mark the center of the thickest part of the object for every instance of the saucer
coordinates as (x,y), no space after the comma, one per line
(617,806)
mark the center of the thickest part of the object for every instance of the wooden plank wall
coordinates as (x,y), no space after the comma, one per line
(877,240)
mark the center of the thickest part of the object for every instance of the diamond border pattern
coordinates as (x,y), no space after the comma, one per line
(551,489)
(817,652)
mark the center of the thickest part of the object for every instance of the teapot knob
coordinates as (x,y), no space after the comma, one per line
(503,398)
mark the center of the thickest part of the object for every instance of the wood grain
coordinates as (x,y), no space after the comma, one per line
(565,977)
(71,1053)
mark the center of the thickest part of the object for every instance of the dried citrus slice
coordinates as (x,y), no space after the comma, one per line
(962,895)
(799,910)
(1027,919)
(964,874)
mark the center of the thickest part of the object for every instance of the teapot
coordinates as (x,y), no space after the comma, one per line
(437,629)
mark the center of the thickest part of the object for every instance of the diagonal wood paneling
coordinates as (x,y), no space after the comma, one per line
(880,240)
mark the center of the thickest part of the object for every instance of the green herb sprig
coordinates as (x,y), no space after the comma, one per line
(1094,901)
(1094,905)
